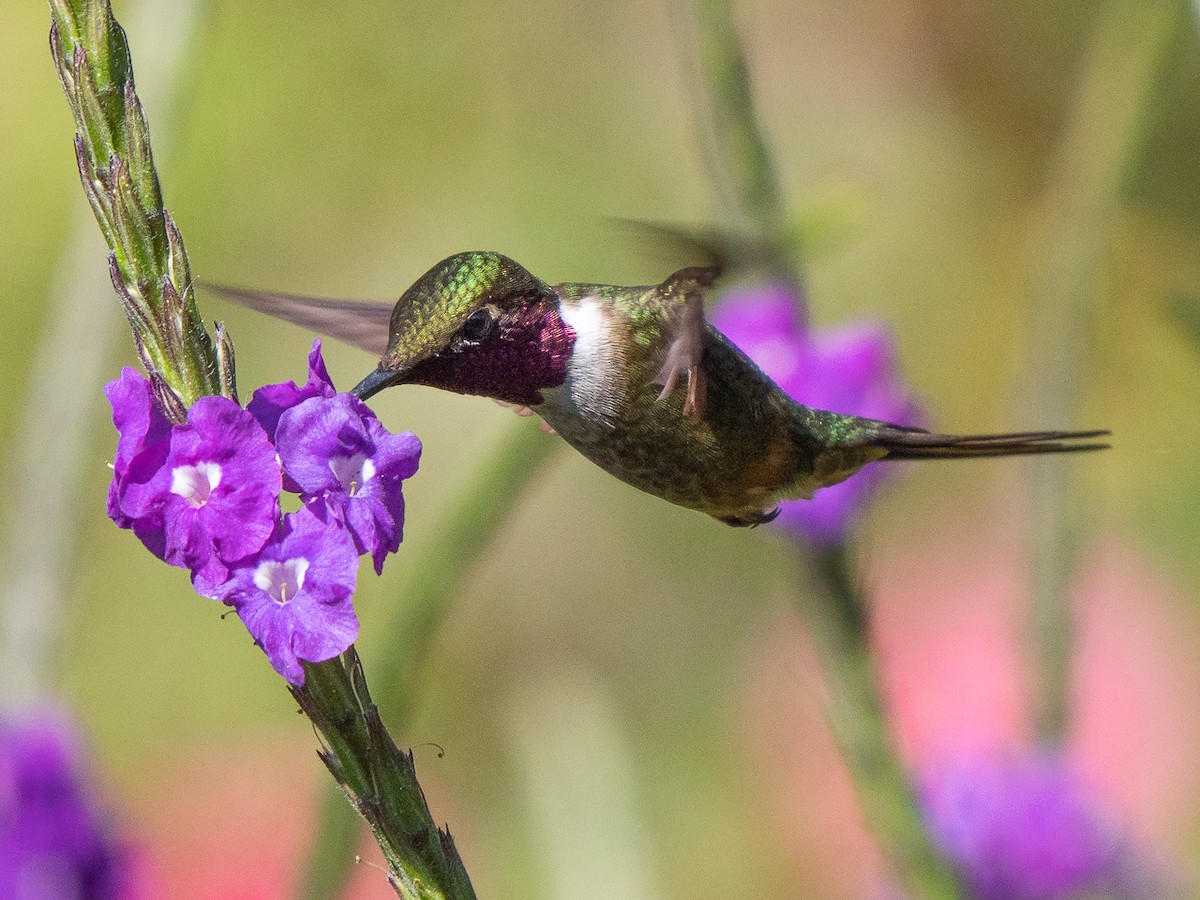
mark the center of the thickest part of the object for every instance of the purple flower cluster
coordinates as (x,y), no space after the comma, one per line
(52,842)
(204,495)
(847,369)
(1025,829)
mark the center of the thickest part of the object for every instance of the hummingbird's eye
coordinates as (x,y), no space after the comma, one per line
(477,326)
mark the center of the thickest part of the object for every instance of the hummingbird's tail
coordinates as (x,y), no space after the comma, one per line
(913,443)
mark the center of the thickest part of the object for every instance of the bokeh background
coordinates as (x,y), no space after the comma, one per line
(626,697)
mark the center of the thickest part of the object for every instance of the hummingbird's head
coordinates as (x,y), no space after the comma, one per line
(476,323)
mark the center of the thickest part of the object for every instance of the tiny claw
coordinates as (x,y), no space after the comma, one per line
(668,377)
(517,408)
(697,394)
(697,389)
(753,519)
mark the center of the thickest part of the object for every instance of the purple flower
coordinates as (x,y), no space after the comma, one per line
(204,495)
(1025,829)
(846,369)
(199,495)
(349,468)
(218,489)
(52,842)
(270,401)
(294,596)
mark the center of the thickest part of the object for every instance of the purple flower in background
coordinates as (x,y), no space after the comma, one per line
(1025,829)
(349,467)
(270,401)
(294,596)
(53,845)
(845,369)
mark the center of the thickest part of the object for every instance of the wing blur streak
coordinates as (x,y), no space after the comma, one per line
(356,322)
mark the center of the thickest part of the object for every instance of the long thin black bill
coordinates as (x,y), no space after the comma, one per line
(374,383)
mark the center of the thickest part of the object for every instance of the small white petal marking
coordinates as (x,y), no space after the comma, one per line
(352,472)
(281,580)
(196,483)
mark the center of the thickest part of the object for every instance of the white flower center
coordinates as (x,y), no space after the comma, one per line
(282,580)
(352,472)
(195,483)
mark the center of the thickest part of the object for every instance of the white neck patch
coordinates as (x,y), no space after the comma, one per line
(592,355)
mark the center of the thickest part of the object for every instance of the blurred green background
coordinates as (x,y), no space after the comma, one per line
(599,685)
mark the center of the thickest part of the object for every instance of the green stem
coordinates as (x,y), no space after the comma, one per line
(149,269)
(858,719)
(741,166)
(735,149)
(380,781)
(1100,147)
(434,574)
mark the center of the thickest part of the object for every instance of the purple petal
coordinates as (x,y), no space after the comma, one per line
(316,431)
(766,323)
(137,418)
(337,452)
(143,433)
(224,454)
(295,596)
(270,401)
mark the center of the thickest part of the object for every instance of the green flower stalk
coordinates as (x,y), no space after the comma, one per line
(759,231)
(730,136)
(380,781)
(1100,148)
(149,268)
(434,574)
(147,262)
(834,609)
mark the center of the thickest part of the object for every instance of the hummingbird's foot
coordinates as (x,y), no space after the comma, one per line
(519,410)
(697,394)
(683,297)
(697,387)
(524,411)
(751,520)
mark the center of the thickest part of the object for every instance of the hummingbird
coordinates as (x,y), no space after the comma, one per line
(634,378)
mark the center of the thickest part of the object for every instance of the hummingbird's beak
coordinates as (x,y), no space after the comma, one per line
(376,382)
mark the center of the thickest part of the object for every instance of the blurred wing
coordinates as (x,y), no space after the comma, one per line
(356,322)
(721,251)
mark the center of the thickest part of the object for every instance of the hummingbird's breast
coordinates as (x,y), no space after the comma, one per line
(736,462)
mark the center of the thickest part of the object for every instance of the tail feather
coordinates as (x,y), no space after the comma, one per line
(913,443)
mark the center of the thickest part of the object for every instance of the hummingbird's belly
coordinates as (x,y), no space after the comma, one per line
(736,463)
